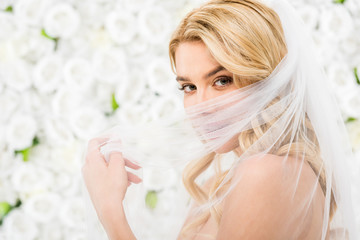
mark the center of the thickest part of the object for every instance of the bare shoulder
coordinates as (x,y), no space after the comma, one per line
(282,171)
(265,200)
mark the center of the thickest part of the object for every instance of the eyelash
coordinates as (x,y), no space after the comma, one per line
(228,79)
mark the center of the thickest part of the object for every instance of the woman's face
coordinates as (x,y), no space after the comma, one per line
(202,78)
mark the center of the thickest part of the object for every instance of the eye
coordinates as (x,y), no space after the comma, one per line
(223,81)
(187,88)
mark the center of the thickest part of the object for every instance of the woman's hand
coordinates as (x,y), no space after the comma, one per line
(107,182)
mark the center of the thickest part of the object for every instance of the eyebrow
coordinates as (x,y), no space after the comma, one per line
(209,74)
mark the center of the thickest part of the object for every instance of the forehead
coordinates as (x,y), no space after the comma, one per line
(193,57)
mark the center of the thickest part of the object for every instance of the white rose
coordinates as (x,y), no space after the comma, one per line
(47,74)
(102,96)
(9,102)
(354,134)
(21,131)
(351,103)
(78,72)
(5,3)
(91,13)
(67,158)
(87,122)
(62,181)
(166,107)
(9,25)
(160,77)
(62,20)
(157,179)
(2,138)
(66,101)
(138,46)
(42,207)
(186,8)
(341,77)
(355,61)
(136,5)
(30,12)
(74,188)
(29,179)
(76,235)
(17,75)
(154,24)
(40,155)
(351,45)
(110,65)
(6,156)
(121,26)
(327,51)
(173,5)
(130,90)
(18,225)
(35,102)
(7,193)
(52,230)
(72,213)
(77,46)
(133,114)
(336,22)
(57,131)
(310,15)
(31,45)
(99,39)
(6,53)
(353,6)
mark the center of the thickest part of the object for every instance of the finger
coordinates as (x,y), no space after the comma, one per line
(94,156)
(96,143)
(129,183)
(116,161)
(133,178)
(131,164)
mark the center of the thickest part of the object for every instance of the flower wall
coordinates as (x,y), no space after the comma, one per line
(70,69)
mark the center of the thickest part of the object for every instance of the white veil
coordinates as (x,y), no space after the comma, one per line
(291,114)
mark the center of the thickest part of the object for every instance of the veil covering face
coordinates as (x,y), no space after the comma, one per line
(290,120)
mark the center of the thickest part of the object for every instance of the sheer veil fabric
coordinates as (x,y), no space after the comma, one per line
(291,115)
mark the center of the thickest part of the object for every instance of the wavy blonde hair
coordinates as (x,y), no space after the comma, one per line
(245,37)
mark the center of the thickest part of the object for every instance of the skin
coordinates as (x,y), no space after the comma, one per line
(201,78)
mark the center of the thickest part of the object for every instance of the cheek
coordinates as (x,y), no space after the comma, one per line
(188,101)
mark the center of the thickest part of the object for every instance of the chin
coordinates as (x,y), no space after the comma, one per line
(231,145)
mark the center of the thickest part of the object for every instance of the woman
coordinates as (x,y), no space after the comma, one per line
(251,87)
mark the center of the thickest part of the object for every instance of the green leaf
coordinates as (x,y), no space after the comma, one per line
(26,152)
(151,199)
(356,76)
(18,203)
(339,1)
(9,9)
(43,33)
(55,39)
(114,104)
(5,208)
(35,142)
(350,119)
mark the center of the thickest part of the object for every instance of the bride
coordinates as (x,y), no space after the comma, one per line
(251,86)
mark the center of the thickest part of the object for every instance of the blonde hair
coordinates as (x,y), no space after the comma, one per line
(246,38)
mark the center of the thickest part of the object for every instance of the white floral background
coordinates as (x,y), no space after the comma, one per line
(70,69)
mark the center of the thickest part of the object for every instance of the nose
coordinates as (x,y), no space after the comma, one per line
(202,95)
